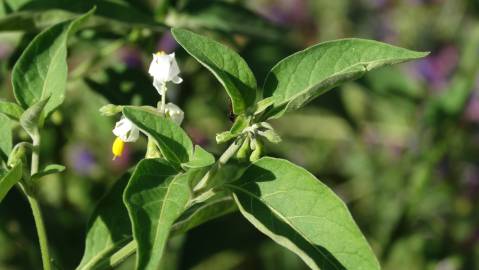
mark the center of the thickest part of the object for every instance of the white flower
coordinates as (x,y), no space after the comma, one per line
(126,130)
(175,113)
(163,68)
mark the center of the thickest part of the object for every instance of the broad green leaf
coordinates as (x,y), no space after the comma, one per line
(10,179)
(172,140)
(41,71)
(297,211)
(223,16)
(5,137)
(31,119)
(155,197)
(201,158)
(49,169)
(109,228)
(203,212)
(227,66)
(10,109)
(305,75)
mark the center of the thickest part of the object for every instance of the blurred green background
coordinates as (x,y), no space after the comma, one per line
(400,146)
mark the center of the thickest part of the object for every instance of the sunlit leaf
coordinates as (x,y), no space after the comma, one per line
(10,109)
(305,75)
(41,71)
(172,140)
(227,66)
(297,211)
(201,158)
(155,197)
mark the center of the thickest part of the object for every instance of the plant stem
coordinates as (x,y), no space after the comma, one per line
(163,98)
(230,151)
(37,213)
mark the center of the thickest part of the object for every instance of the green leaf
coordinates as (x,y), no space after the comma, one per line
(296,210)
(10,179)
(305,75)
(227,66)
(41,71)
(223,16)
(109,228)
(172,140)
(201,213)
(49,169)
(5,137)
(201,158)
(31,118)
(241,122)
(155,197)
(10,109)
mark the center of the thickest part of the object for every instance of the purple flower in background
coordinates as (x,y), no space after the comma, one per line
(131,57)
(166,43)
(437,67)
(471,113)
(471,177)
(81,160)
(287,12)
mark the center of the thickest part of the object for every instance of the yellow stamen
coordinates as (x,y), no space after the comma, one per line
(117,147)
(160,53)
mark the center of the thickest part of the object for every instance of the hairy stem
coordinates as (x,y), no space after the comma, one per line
(230,151)
(34,205)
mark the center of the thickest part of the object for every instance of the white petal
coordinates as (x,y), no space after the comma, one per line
(126,130)
(174,69)
(133,135)
(175,113)
(160,67)
(177,80)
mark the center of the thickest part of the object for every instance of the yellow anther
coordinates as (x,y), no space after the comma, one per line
(160,53)
(117,147)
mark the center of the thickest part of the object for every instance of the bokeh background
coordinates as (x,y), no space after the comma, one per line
(400,145)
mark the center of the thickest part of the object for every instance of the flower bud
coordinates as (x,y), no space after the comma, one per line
(110,110)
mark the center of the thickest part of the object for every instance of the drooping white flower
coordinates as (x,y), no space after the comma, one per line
(126,130)
(163,69)
(175,113)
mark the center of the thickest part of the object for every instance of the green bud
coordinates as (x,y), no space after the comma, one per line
(244,150)
(110,110)
(258,150)
(224,137)
(18,153)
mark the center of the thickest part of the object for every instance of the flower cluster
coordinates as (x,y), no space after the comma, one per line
(163,69)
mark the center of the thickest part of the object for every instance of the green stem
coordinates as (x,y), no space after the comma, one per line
(37,213)
(163,98)
(117,257)
(230,151)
